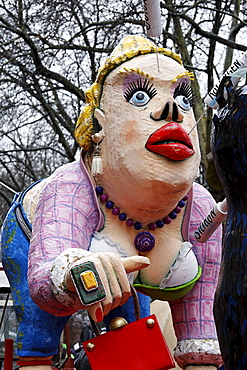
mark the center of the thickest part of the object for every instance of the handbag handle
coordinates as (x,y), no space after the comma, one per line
(94,326)
(136,310)
(136,302)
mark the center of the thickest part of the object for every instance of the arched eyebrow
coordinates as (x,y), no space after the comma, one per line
(184,74)
(135,70)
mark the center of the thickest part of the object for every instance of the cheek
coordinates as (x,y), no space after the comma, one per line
(122,129)
(130,132)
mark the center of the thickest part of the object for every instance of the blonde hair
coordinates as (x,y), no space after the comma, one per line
(128,48)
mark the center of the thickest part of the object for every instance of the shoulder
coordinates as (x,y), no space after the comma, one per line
(69,179)
(199,205)
(203,201)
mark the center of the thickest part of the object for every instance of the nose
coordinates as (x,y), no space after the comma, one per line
(169,112)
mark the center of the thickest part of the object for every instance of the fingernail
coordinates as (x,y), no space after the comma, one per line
(99,314)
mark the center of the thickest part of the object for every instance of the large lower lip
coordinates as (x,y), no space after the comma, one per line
(171,141)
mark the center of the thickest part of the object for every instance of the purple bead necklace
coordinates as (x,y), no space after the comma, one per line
(144,240)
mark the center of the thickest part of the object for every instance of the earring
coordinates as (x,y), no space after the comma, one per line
(97,167)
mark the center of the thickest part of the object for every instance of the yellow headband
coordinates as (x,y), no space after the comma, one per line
(128,48)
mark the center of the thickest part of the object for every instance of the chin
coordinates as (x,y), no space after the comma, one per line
(173,175)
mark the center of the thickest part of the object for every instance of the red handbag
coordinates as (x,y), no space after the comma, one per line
(139,345)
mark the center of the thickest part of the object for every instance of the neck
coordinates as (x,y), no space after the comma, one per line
(145,206)
(139,218)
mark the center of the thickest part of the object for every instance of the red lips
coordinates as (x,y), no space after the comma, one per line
(171,141)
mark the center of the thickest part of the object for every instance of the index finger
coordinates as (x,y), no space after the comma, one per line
(135,263)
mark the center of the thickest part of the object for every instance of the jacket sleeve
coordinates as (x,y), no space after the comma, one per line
(193,314)
(67,214)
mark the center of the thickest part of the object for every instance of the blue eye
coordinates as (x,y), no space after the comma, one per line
(139,92)
(183,102)
(139,99)
(184,96)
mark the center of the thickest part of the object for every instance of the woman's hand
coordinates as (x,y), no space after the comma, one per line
(112,271)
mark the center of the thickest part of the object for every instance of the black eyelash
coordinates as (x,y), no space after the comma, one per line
(139,85)
(186,90)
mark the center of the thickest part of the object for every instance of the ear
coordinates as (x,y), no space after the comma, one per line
(100,116)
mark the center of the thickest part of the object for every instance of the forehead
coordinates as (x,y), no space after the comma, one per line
(165,68)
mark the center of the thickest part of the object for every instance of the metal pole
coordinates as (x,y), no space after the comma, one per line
(4,309)
(8,358)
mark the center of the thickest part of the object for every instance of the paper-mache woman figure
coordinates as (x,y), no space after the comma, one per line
(138,226)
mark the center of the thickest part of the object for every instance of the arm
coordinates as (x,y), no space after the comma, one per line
(66,217)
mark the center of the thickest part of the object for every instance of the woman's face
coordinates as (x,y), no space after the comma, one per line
(147,119)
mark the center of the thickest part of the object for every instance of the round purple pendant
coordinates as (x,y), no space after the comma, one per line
(144,241)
